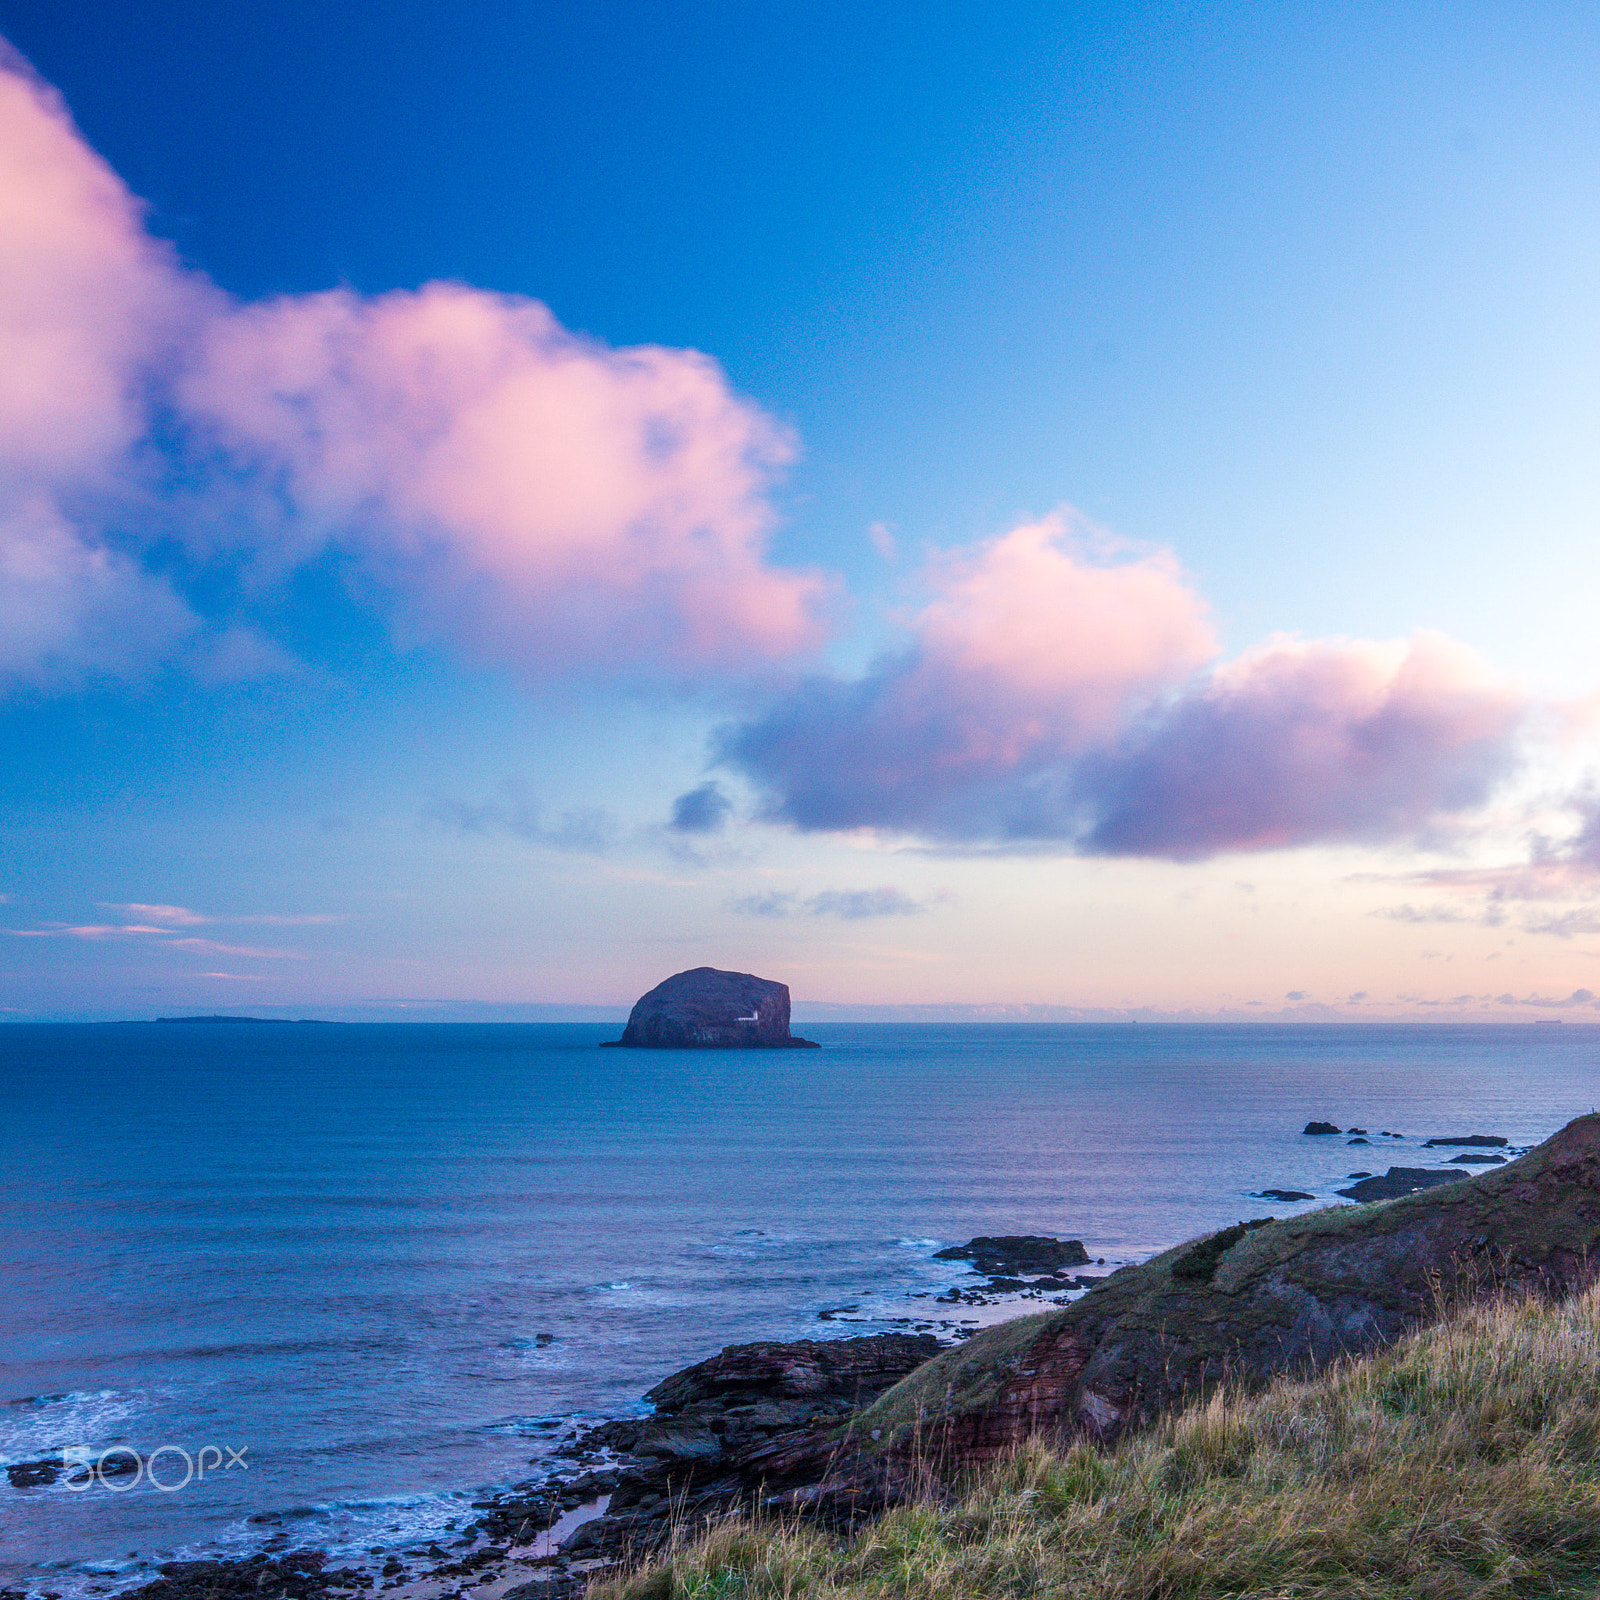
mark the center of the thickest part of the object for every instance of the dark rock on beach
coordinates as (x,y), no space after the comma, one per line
(1320,1128)
(1398,1181)
(295,1575)
(716,1425)
(1015,1255)
(704,1009)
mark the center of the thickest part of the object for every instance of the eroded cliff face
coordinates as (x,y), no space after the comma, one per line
(705,1008)
(1284,1297)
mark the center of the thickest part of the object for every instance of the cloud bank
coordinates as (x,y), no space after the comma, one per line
(535,497)
(1045,697)
(542,501)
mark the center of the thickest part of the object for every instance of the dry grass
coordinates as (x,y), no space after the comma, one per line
(1463,1462)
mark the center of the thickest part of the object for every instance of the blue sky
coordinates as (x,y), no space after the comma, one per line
(1285,314)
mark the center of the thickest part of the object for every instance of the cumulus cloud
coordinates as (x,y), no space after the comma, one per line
(1046,696)
(1302,743)
(702,810)
(1030,655)
(89,305)
(538,496)
(497,482)
(71,607)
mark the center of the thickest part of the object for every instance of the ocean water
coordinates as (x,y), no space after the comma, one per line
(331,1254)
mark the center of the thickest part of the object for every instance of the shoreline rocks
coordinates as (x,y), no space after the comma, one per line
(720,1423)
(706,1009)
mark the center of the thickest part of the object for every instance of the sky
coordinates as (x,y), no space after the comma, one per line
(1036,511)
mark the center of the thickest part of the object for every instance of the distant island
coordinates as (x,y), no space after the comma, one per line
(282,1022)
(705,1009)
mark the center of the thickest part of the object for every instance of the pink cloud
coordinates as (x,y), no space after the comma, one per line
(1045,697)
(1029,654)
(1299,743)
(88,300)
(88,305)
(173,916)
(164,924)
(537,498)
(211,947)
(1565,869)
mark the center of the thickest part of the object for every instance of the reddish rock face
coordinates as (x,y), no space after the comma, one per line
(850,1370)
(707,1009)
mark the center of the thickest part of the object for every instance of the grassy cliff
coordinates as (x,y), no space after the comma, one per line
(1462,1461)
(1251,1303)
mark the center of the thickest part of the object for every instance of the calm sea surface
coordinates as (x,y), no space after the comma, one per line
(335,1249)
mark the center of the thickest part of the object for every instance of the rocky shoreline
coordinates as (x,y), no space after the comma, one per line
(760,1423)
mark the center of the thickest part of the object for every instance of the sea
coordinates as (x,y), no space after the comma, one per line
(356,1276)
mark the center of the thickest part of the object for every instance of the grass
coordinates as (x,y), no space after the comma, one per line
(1462,1462)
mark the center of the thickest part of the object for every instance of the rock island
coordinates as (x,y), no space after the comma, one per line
(704,1009)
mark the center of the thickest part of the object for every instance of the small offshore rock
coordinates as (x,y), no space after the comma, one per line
(1013,1255)
(1320,1128)
(1478,1160)
(1398,1181)
(1480,1141)
(1284,1197)
(705,1009)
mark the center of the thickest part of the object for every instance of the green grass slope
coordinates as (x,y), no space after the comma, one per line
(1287,1297)
(1463,1461)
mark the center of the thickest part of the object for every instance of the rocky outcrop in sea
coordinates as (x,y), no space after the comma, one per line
(705,1009)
